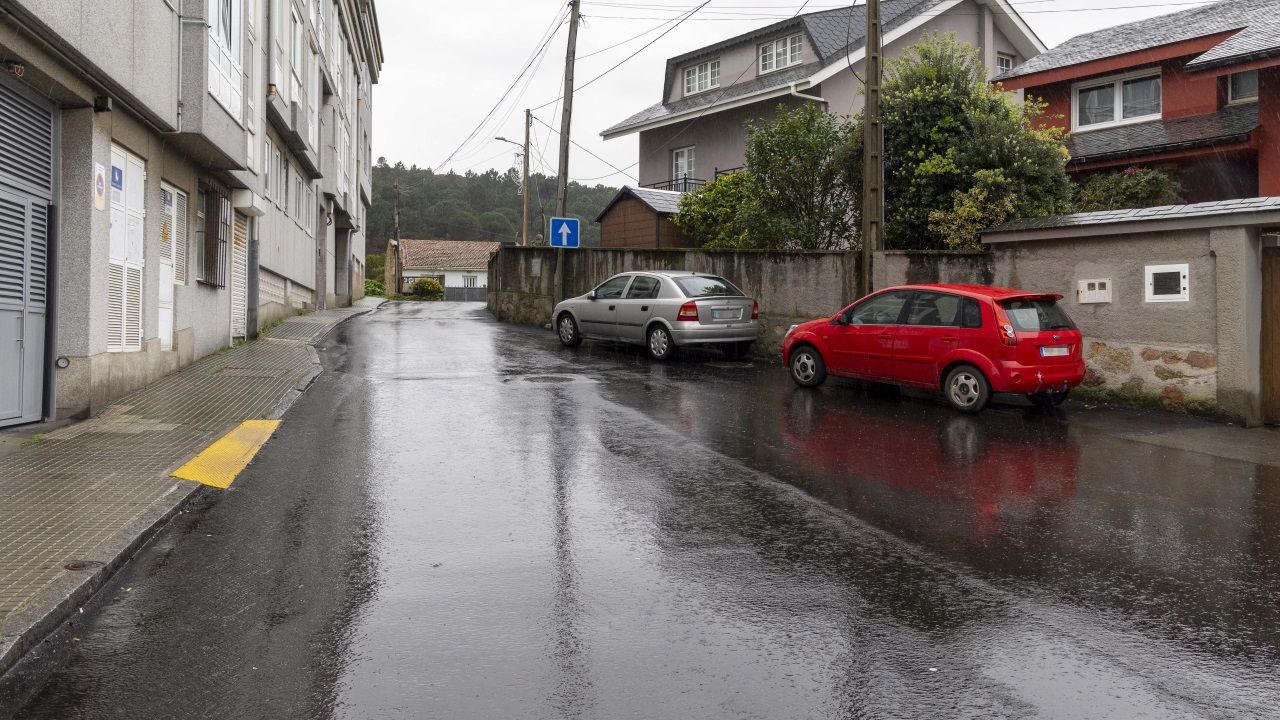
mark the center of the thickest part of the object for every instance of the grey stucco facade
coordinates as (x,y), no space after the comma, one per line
(137,77)
(714,121)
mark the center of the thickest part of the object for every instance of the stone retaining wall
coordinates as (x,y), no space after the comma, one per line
(1178,376)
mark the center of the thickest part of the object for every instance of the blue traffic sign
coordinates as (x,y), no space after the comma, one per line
(564,232)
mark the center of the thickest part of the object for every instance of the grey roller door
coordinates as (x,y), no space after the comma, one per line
(27,139)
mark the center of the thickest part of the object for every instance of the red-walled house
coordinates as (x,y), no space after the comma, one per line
(1196,92)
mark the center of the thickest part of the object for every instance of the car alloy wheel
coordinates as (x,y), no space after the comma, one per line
(965,389)
(804,366)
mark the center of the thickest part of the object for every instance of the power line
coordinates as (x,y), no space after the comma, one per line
(583,149)
(539,50)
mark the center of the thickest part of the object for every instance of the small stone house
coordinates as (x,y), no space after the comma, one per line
(1180,303)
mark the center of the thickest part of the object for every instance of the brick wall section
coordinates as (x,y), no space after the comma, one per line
(631,224)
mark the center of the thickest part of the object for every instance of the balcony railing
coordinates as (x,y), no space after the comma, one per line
(727,171)
(679,184)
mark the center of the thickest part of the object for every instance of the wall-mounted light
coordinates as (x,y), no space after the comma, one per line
(63,362)
(102,103)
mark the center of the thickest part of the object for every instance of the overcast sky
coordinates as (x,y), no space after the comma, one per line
(448,63)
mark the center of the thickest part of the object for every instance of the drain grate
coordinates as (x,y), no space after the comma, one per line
(549,379)
(82,565)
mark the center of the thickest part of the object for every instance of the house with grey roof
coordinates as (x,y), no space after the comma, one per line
(699,127)
(1195,92)
(642,218)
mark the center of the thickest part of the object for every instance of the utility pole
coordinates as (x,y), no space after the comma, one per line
(873,149)
(524,215)
(391,261)
(566,118)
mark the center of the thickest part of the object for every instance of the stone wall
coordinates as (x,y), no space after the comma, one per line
(1178,376)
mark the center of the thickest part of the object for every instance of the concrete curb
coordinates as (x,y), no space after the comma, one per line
(24,630)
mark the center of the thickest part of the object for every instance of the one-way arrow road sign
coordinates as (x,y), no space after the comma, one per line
(564,232)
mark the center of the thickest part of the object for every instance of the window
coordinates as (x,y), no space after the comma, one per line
(1116,101)
(702,77)
(296,44)
(780,54)
(612,288)
(700,286)
(645,287)
(1036,315)
(1168,283)
(883,309)
(216,232)
(1243,87)
(225,53)
(318,19)
(173,231)
(1004,63)
(268,165)
(469,281)
(308,212)
(297,194)
(937,310)
(682,163)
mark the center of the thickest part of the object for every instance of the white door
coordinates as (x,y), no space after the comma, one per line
(125,258)
(164,301)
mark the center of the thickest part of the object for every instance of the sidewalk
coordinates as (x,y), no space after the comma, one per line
(76,503)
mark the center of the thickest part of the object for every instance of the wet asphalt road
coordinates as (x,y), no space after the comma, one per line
(464,520)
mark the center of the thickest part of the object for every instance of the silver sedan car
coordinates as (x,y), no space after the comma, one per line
(663,310)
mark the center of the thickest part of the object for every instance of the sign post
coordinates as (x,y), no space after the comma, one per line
(564,232)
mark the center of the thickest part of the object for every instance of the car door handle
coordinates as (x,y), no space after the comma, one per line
(644,308)
(948,338)
(611,307)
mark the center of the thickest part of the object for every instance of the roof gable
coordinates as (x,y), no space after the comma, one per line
(447,254)
(662,202)
(1256,18)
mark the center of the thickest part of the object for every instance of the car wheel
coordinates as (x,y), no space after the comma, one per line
(1049,398)
(967,389)
(807,367)
(737,351)
(660,344)
(567,330)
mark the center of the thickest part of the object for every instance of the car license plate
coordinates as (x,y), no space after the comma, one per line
(1056,351)
(726,314)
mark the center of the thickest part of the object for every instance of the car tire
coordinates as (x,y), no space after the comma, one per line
(1049,398)
(659,343)
(737,351)
(967,389)
(807,367)
(567,331)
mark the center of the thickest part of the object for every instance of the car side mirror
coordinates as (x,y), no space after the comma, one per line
(591,295)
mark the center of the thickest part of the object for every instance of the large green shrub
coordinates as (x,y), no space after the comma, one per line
(375,288)
(1134,187)
(719,215)
(427,289)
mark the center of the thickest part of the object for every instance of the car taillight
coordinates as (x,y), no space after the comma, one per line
(688,311)
(1007,334)
(755,310)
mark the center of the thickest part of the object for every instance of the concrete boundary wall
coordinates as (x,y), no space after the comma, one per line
(790,287)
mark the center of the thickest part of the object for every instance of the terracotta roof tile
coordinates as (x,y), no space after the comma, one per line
(447,254)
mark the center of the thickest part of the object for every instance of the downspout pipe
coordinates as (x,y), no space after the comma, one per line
(802,96)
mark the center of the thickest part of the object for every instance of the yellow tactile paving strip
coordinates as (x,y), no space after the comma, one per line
(220,463)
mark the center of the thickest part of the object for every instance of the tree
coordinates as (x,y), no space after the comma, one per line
(494,224)
(793,163)
(452,219)
(959,151)
(1133,187)
(719,214)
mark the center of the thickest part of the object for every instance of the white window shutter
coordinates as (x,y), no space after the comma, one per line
(133,309)
(180,242)
(115,306)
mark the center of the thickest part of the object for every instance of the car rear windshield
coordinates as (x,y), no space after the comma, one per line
(1036,315)
(697,286)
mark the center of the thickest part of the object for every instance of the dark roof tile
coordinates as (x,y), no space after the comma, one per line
(1206,209)
(1231,123)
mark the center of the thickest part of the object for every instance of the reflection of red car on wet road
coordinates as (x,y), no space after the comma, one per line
(967,340)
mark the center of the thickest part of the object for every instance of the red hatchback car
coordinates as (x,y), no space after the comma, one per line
(968,341)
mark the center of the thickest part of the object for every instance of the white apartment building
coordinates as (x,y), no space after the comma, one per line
(174,175)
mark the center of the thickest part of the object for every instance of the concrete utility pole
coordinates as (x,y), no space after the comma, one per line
(391,260)
(524,214)
(873,150)
(566,118)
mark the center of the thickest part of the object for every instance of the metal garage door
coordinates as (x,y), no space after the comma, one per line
(26,192)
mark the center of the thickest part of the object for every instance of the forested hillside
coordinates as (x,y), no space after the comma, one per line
(473,206)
